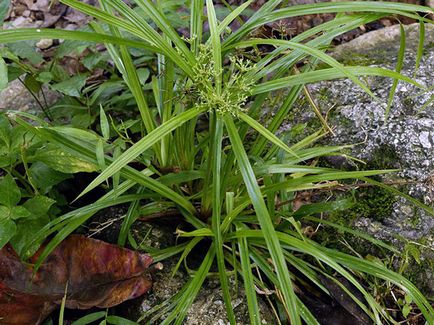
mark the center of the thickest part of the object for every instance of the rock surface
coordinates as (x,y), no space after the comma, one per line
(16,97)
(405,141)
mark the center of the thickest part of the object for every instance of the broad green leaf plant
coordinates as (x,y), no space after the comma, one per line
(205,151)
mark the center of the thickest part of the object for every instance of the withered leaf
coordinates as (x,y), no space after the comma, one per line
(98,274)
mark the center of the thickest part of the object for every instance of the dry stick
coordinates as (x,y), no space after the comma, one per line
(314,106)
(167,213)
(44,110)
(276,314)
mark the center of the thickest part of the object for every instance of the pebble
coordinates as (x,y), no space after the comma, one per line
(424,140)
(44,44)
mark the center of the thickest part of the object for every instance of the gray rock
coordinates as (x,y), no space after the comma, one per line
(404,141)
(17,97)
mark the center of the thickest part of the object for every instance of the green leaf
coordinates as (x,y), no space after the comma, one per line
(252,301)
(137,26)
(143,75)
(44,177)
(62,161)
(327,7)
(32,84)
(62,306)
(20,34)
(116,320)
(203,232)
(45,77)
(406,310)
(399,65)
(19,212)
(232,16)
(129,219)
(3,74)
(82,120)
(125,65)
(14,72)
(164,25)
(99,151)
(329,74)
(88,319)
(420,47)
(5,130)
(26,50)
(191,290)
(216,157)
(7,230)
(37,218)
(216,45)
(10,193)
(75,141)
(142,145)
(267,227)
(72,86)
(39,205)
(196,24)
(92,60)
(265,132)
(314,53)
(4,9)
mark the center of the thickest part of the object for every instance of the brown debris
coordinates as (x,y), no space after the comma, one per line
(95,273)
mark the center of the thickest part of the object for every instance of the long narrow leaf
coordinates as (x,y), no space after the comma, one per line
(141,146)
(252,301)
(233,15)
(164,25)
(192,288)
(134,25)
(196,24)
(125,65)
(216,46)
(420,47)
(311,51)
(23,34)
(264,219)
(399,65)
(265,132)
(329,74)
(216,213)
(403,9)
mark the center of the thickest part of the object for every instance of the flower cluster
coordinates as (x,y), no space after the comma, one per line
(236,88)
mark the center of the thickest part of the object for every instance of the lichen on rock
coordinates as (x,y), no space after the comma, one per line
(404,141)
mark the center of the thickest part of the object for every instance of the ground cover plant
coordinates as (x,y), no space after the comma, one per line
(197,145)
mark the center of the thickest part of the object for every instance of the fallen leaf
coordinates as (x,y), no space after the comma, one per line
(98,274)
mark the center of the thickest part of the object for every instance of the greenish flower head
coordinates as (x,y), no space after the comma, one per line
(236,87)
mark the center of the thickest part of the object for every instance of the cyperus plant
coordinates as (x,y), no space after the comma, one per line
(234,181)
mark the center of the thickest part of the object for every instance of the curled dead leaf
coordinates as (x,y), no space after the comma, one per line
(98,274)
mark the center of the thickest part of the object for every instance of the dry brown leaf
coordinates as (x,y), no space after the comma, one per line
(98,274)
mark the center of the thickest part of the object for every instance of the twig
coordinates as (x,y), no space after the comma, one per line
(44,110)
(315,107)
(167,213)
